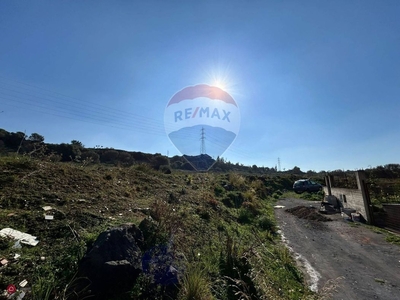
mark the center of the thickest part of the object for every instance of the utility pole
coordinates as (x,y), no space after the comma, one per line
(203,143)
(279,164)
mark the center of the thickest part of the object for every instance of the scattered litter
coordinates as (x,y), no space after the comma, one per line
(25,238)
(4,262)
(279,206)
(355,217)
(17,245)
(47,208)
(23,283)
(16,256)
(42,258)
(119,214)
(11,289)
(49,217)
(21,295)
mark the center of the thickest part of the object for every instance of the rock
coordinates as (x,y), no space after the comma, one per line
(114,262)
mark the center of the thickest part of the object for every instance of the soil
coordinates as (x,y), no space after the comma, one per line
(341,259)
(308,213)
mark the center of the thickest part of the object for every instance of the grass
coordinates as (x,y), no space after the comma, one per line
(305,196)
(221,225)
(195,285)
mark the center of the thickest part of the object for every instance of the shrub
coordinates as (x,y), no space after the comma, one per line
(218,191)
(90,156)
(266,223)
(237,181)
(195,285)
(245,216)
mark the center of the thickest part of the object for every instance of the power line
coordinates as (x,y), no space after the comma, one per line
(203,144)
(22,95)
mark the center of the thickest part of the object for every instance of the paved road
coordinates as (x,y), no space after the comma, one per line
(368,265)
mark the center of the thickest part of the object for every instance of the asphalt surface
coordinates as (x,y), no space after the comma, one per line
(340,259)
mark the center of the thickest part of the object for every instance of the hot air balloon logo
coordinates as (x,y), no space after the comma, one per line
(202,121)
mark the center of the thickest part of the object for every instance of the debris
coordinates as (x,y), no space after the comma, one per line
(355,217)
(24,238)
(11,289)
(16,256)
(17,245)
(379,280)
(348,211)
(21,295)
(48,217)
(42,258)
(4,262)
(279,206)
(23,283)
(47,208)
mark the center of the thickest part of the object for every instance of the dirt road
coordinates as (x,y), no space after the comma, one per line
(368,265)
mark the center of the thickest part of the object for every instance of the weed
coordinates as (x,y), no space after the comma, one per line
(195,285)
(44,288)
(393,239)
(237,181)
(218,191)
(265,223)
(245,216)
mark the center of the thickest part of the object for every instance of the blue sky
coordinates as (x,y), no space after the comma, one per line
(317,82)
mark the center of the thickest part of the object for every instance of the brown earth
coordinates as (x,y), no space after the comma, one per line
(349,260)
(308,213)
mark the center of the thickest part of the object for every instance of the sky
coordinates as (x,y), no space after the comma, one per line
(317,82)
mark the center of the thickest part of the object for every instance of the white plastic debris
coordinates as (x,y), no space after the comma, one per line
(24,238)
(4,262)
(279,206)
(21,295)
(23,283)
(17,245)
(16,256)
(46,208)
(49,217)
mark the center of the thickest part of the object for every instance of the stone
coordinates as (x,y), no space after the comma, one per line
(113,263)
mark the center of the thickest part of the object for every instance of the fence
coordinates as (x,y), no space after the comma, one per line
(359,199)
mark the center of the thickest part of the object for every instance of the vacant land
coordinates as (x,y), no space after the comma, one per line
(346,260)
(219,228)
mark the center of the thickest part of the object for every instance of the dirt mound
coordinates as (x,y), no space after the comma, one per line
(308,213)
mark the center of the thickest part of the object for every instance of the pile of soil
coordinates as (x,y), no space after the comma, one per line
(308,213)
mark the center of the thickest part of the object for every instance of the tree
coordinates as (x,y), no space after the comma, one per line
(109,156)
(77,144)
(36,138)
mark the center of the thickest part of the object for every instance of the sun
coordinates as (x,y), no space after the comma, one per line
(218,74)
(220,84)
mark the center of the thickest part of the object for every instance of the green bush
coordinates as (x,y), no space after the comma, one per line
(245,216)
(218,191)
(265,223)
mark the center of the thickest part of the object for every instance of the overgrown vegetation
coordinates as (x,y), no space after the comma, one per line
(221,224)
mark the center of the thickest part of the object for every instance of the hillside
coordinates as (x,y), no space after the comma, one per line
(221,226)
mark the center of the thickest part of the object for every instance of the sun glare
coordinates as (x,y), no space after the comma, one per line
(220,78)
